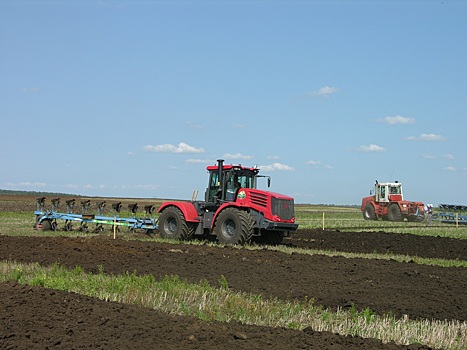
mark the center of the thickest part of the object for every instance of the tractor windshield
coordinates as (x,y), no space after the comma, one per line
(236,180)
(244,179)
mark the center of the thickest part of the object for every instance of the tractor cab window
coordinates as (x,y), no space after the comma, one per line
(237,180)
(395,190)
(232,185)
(382,192)
(214,187)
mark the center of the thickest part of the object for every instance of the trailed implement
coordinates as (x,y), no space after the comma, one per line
(86,221)
(451,214)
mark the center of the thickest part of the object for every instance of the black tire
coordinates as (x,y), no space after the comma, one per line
(234,226)
(46,225)
(172,225)
(369,212)
(394,212)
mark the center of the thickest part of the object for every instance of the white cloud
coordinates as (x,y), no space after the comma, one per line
(25,184)
(194,126)
(200,161)
(273,157)
(31,90)
(236,156)
(147,187)
(429,156)
(449,168)
(88,187)
(371,148)
(426,137)
(449,156)
(276,166)
(238,126)
(169,148)
(432,156)
(318,165)
(398,119)
(131,154)
(325,91)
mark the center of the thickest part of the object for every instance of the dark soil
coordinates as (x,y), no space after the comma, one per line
(38,318)
(380,242)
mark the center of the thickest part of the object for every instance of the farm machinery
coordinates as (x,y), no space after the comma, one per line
(233,210)
(387,203)
(451,214)
(47,219)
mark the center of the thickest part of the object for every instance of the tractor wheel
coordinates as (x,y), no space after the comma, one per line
(172,225)
(234,226)
(46,225)
(369,212)
(394,213)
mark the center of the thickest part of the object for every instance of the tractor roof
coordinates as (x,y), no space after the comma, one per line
(390,184)
(230,167)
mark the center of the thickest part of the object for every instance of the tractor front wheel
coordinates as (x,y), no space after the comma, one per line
(394,213)
(172,225)
(234,226)
(369,212)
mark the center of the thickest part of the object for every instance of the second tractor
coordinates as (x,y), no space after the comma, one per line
(387,203)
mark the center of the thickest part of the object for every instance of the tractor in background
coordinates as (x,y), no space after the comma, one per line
(233,210)
(387,203)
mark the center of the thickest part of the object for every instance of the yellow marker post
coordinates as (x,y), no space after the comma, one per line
(115,227)
(323,220)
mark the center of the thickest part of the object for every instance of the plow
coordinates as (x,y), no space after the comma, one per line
(451,214)
(47,220)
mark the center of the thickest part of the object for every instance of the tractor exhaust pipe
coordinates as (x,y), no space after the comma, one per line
(220,168)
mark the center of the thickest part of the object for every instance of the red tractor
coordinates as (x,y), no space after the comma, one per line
(233,210)
(387,203)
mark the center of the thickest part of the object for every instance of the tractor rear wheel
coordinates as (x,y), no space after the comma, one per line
(394,212)
(369,212)
(172,225)
(234,226)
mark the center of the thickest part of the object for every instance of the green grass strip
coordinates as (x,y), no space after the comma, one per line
(175,296)
(381,256)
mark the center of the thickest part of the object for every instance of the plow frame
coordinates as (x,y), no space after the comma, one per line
(133,223)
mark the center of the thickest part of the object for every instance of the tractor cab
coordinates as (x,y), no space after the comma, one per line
(226,180)
(388,192)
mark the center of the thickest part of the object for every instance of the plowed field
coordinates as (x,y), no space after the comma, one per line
(37,318)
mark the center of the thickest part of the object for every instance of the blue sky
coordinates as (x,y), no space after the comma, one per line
(136,98)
